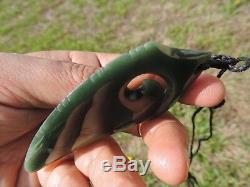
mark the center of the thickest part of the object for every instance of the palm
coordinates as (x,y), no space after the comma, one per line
(27,98)
(14,143)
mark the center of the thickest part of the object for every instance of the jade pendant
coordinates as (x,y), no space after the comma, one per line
(104,104)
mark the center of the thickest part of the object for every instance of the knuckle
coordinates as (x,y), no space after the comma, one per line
(78,73)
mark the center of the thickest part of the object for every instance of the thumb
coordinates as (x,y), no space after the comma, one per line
(28,81)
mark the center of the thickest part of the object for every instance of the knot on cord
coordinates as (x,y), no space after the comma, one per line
(229,63)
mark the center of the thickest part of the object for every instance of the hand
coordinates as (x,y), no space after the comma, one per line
(32,85)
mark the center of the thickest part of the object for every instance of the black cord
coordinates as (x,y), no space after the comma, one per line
(229,63)
(223,63)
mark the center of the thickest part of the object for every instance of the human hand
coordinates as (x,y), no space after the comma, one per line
(32,85)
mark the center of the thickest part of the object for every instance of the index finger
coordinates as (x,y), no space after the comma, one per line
(207,90)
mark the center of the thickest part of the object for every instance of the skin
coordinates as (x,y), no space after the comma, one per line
(31,85)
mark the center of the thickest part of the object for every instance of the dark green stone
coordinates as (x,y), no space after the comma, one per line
(103,104)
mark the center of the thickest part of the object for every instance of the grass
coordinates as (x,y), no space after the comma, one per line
(115,26)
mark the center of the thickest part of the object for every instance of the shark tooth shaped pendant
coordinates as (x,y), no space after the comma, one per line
(104,104)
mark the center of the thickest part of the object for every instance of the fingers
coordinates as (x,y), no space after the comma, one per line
(167,143)
(89,161)
(206,90)
(35,82)
(64,175)
(24,78)
(167,138)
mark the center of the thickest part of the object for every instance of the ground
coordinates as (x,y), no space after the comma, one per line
(220,26)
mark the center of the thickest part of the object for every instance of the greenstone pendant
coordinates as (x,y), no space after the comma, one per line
(104,104)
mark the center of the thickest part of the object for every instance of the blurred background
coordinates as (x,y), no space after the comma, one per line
(220,26)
